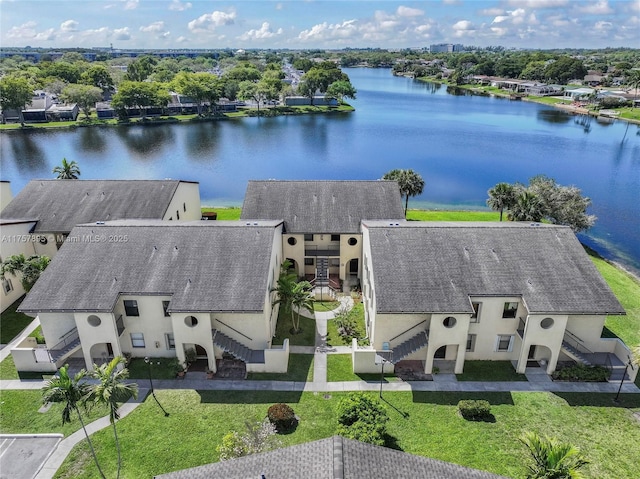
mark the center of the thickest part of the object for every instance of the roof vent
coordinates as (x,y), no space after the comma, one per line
(175,248)
(99,222)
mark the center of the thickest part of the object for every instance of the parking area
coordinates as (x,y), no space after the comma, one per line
(22,455)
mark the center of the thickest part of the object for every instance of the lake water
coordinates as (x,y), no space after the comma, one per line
(461,144)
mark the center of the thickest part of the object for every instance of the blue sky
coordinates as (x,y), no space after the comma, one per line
(319,23)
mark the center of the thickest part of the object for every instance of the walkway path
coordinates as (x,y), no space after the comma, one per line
(538,381)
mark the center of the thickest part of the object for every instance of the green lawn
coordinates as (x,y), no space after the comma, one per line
(357,314)
(437,215)
(429,425)
(12,322)
(489,371)
(224,213)
(325,305)
(306,338)
(340,368)
(300,370)
(138,369)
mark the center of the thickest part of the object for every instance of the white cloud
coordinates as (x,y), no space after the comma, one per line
(27,31)
(491,12)
(131,4)
(538,3)
(155,27)
(602,26)
(182,39)
(69,26)
(122,33)
(263,32)
(210,21)
(49,34)
(409,12)
(326,31)
(452,2)
(599,8)
(178,6)
(279,6)
(463,28)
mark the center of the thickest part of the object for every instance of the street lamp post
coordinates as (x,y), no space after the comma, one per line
(148,361)
(626,368)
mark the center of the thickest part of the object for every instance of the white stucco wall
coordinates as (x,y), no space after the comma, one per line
(6,195)
(185,203)
(295,251)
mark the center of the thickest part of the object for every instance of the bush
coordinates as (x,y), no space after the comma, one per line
(282,417)
(474,410)
(258,437)
(582,372)
(363,418)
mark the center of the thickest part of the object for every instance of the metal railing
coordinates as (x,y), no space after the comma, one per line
(66,339)
(521,325)
(233,329)
(407,330)
(576,343)
(120,325)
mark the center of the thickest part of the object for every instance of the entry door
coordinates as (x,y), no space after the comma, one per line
(353,266)
(532,352)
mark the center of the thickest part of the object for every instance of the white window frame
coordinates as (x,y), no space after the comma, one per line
(7,286)
(475,317)
(133,305)
(137,340)
(471,338)
(515,311)
(170,341)
(510,346)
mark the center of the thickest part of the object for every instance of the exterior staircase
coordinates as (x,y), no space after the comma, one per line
(236,348)
(322,271)
(576,355)
(65,348)
(411,345)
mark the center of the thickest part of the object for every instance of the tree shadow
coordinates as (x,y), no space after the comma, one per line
(625,400)
(392,442)
(249,397)
(451,398)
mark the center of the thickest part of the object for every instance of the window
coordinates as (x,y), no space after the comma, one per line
(165,307)
(131,307)
(335,237)
(449,322)
(308,237)
(510,310)
(94,320)
(475,316)
(334,262)
(292,241)
(7,286)
(471,342)
(170,341)
(308,261)
(352,241)
(184,207)
(546,323)
(191,321)
(504,342)
(137,340)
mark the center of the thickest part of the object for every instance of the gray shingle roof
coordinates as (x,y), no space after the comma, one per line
(59,205)
(204,265)
(332,207)
(331,458)
(435,267)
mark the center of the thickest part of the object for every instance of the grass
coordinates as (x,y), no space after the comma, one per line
(300,370)
(19,414)
(489,371)
(138,369)
(325,305)
(429,425)
(340,368)
(437,215)
(224,213)
(333,336)
(306,338)
(12,323)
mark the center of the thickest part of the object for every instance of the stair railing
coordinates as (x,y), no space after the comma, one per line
(233,329)
(67,339)
(576,343)
(407,330)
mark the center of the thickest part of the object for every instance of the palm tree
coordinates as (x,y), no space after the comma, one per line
(68,170)
(30,267)
(284,289)
(527,207)
(72,392)
(633,80)
(410,183)
(302,298)
(112,392)
(501,197)
(552,459)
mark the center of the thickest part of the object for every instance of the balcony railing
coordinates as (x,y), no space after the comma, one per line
(120,325)
(521,325)
(66,340)
(313,250)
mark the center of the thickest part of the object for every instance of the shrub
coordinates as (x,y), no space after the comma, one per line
(258,437)
(474,410)
(282,417)
(362,417)
(582,372)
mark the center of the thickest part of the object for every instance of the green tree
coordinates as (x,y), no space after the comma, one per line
(244,72)
(68,170)
(501,197)
(410,183)
(341,89)
(98,76)
(363,418)
(111,391)
(140,95)
(552,459)
(72,392)
(633,80)
(86,96)
(290,293)
(15,93)
(527,207)
(63,70)
(564,69)
(200,87)
(29,267)
(140,69)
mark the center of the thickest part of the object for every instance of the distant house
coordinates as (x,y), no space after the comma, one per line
(485,291)
(322,222)
(331,458)
(318,100)
(542,89)
(577,94)
(42,108)
(45,211)
(593,80)
(105,111)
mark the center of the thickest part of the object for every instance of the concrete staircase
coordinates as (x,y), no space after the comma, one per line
(411,345)
(574,354)
(236,348)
